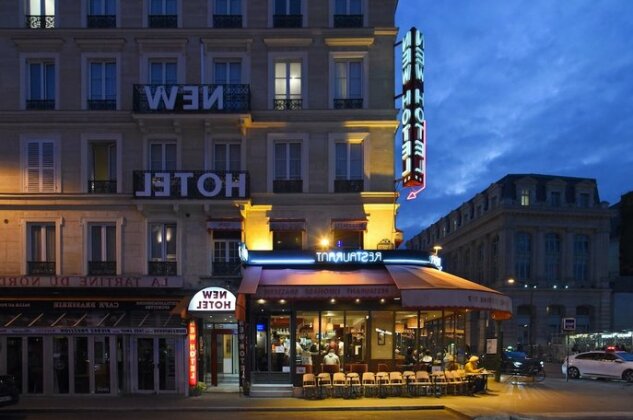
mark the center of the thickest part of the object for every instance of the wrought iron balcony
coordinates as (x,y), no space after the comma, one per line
(40,104)
(348,21)
(102,104)
(40,21)
(226,268)
(162,268)
(102,268)
(102,186)
(348,185)
(235,99)
(287,186)
(101,21)
(46,268)
(227,21)
(288,104)
(287,21)
(355,103)
(162,21)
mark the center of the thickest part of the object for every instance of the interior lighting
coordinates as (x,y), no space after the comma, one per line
(332,300)
(382,300)
(357,300)
(282,301)
(261,301)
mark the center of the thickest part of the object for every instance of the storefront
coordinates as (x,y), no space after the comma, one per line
(371,310)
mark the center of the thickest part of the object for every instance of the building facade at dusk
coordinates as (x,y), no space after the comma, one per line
(542,240)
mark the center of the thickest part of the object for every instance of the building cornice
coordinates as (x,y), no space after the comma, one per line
(39,44)
(349,42)
(288,42)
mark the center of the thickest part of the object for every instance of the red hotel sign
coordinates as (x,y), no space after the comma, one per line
(192,339)
(412,119)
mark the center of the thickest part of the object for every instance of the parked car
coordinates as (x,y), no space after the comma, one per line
(517,363)
(600,364)
(8,391)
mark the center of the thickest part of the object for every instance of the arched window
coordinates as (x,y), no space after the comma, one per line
(581,260)
(552,258)
(522,256)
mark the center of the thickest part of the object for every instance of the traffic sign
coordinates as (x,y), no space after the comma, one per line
(569,324)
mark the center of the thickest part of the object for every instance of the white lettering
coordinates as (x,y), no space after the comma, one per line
(162,186)
(239,183)
(147,186)
(160,94)
(183,178)
(217,96)
(217,185)
(190,94)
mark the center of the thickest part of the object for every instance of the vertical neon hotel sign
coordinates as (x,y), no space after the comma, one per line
(412,119)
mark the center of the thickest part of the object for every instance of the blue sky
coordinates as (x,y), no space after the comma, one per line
(521,86)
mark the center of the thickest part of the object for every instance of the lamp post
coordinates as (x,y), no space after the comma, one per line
(531,288)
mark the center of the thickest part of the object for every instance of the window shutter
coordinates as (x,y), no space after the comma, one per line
(48,167)
(40,166)
(33,167)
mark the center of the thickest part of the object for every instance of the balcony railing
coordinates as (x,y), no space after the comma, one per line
(227,21)
(102,186)
(287,186)
(162,268)
(101,21)
(234,98)
(226,268)
(102,104)
(348,21)
(162,21)
(355,103)
(40,104)
(40,22)
(46,268)
(349,185)
(288,104)
(287,21)
(102,268)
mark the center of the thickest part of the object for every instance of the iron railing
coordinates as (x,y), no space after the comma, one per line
(102,268)
(348,21)
(226,268)
(355,103)
(288,104)
(102,104)
(287,186)
(40,104)
(287,21)
(348,185)
(40,21)
(236,98)
(46,268)
(162,21)
(162,268)
(101,21)
(227,21)
(102,186)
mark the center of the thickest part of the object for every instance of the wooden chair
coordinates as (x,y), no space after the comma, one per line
(309,385)
(354,384)
(409,378)
(369,383)
(455,382)
(396,383)
(423,382)
(339,383)
(324,382)
(382,381)
(440,385)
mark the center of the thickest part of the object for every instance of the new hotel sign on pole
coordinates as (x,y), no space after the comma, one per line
(412,118)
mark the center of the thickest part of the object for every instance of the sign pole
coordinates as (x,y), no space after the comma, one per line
(567,358)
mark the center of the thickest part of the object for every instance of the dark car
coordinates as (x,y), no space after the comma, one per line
(518,363)
(8,391)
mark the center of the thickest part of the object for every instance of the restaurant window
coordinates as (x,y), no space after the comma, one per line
(102,85)
(41,81)
(307,354)
(162,156)
(552,258)
(454,333)
(382,339)
(348,84)
(40,14)
(102,250)
(101,14)
(163,72)
(288,85)
(162,14)
(331,338)
(287,14)
(522,256)
(348,14)
(163,249)
(349,167)
(102,161)
(581,259)
(226,260)
(280,343)
(287,168)
(41,255)
(355,337)
(405,331)
(227,156)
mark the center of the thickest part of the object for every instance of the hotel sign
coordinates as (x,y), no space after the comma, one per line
(412,118)
(213,299)
(190,184)
(191,98)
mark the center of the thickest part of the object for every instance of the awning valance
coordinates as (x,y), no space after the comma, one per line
(287,224)
(225,224)
(349,224)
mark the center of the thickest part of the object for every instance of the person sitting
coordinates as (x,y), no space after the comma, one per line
(478,384)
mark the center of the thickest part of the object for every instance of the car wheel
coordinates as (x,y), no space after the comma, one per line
(573,373)
(628,375)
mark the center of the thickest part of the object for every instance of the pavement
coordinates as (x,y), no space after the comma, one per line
(555,398)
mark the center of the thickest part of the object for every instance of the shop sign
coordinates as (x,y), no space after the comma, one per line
(94,331)
(86,305)
(88,282)
(214,299)
(323,292)
(192,339)
(190,185)
(349,257)
(412,118)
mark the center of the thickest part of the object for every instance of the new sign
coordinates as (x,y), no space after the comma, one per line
(212,299)
(412,119)
(192,184)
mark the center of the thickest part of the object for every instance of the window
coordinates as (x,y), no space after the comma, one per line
(348,14)
(287,85)
(101,14)
(226,259)
(287,239)
(494,259)
(554,199)
(581,259)
(479,264)
(348,85)
(162,156)
(102,85)
(522,256)
(552,258)
(41,85)
(162,249)
(227,157)
(287,168)
(227,72)
(287,14)
(493,202)
(40,14)
(103,168)
(163,72)
(41,166)
(162,14)
(348,239)
(227,13)
(41,251)
(524,197)
(349,167)
(583,200)
(102,250)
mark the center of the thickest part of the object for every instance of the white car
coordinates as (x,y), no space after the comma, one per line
(600,364)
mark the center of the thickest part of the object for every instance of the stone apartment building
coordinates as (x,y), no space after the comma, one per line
(143,140)
(543,241)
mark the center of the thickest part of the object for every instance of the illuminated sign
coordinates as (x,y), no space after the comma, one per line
(412,118)
(192,339)
(192,184)
(212,299)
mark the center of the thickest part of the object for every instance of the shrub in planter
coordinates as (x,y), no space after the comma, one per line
(196,391)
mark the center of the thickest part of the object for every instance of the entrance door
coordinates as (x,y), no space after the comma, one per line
(93,364)
(273,344)
(224,363)
(156,364)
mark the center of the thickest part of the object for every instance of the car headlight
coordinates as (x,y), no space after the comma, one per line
(517,364)
(542,363)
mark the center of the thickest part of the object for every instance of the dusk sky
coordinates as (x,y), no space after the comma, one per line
(521,86)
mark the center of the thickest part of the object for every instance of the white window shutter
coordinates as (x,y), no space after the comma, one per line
(48,167)
(33,166)
(40,166)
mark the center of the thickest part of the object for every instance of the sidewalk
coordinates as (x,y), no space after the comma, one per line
(554,398)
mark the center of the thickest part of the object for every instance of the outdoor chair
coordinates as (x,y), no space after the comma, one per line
(309,385)
(455,382)
(396,383)
(370,387)
(440,385)
(423,382)
(339,383)
(382,381)
(324,382)
(409,378)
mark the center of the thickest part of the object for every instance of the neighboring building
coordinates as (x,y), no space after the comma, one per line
(550,234)
(621,262)
(143,140)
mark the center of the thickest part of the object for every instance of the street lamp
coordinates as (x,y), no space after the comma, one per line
(511,281)
(437,249)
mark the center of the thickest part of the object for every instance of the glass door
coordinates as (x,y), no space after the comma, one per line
(156,364)
(272,344)
(224,363)
(61,368)
(145,364)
